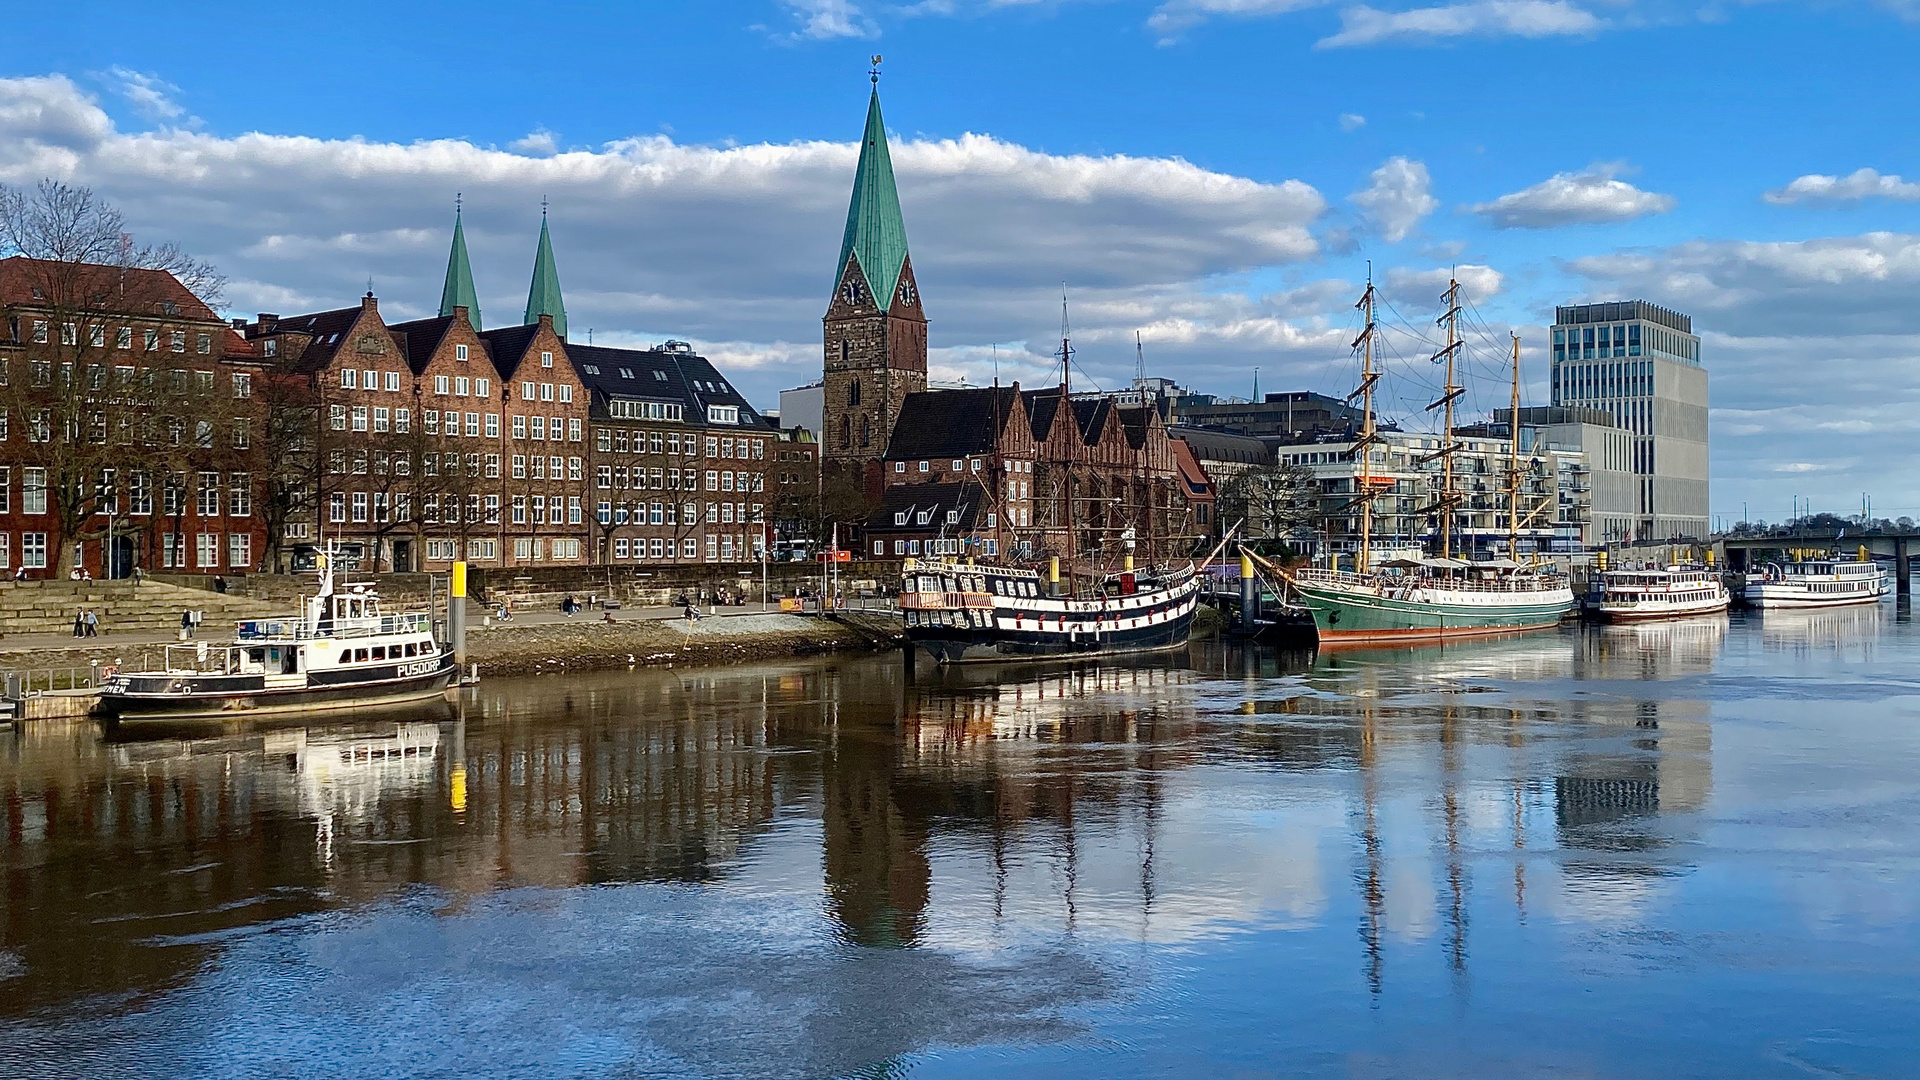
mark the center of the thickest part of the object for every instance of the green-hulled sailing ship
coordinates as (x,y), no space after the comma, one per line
(1425,598)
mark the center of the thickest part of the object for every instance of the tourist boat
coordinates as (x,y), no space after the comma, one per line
(962,612)
(1819,583)
(1428,598)
(1670,593)
(340,652)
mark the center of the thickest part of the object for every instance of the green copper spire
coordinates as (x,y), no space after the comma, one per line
(876,233)
(459,291)
(543,297)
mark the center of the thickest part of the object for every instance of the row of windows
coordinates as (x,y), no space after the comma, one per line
(1611,342)
(967,465)
(679,514)
(107,491)
(174,551)
(621,479)
(477,550)
(988,546)
(534,549)
(1587,382)
(622,441)
(176,340)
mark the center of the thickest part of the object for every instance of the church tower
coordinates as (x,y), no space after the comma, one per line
(458,290)
(875,330)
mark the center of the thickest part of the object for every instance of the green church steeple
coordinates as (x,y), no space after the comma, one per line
(459,291)
(543,297)
(876,233)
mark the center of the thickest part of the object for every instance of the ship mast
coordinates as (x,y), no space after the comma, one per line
(1449,394)
(1513,460)
(1066,406)
(1368,377)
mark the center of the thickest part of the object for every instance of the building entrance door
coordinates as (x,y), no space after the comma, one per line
(403,556)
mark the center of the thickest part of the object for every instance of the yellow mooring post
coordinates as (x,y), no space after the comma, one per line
(1249,595)
(457,616)
(1053,574)
(1126,563)
(1864,557)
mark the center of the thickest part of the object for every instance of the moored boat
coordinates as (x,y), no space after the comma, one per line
(1669,593)
(1429,599)
(964,612)
(1818,583)
(340,651)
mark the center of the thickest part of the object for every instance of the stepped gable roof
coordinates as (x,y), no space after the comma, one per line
(97,285)
(327,331)
(507,345)
(876,235)
(951,423)
(543,295)
(1135,422)
(420,338)
(935,501)
(458,290)
(1042,407)
(1092,413)
(1211,444)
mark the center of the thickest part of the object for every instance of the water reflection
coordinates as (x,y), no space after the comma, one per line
(844,844)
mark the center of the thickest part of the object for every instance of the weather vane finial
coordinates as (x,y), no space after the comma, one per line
(543,206)
(874,72)
(456,204)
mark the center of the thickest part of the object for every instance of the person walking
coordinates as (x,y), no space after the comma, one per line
(186,624)
(93,624)
(220,584)
(79,625)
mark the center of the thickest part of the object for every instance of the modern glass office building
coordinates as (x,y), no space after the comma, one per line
(1640,363)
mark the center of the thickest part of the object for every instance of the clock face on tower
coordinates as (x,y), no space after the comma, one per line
(907,294)
(852,293)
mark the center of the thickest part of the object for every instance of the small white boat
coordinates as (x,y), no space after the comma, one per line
(1819,583)
(1670,593)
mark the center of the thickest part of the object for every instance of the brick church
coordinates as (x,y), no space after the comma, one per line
(997,472)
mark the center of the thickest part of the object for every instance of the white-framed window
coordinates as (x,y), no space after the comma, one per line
(442,384)
(33,550)
(546,391)
(620,547)
(459,352)
(483,549)
(336,506)
(381,418)
(526,391)
(239,550)
(689,548)
(546,359)
(6,550)
(522,548)
(656,548)
(566,394)
(713,549)
(359,418)
(473,425)
(240,494)
(493,425)
(349,378)
(431,418)
(723,414)
(371,380)
(402,420)
(461,385)
(393,381)
(208,503)
(574,433)
(204,344)
(359,506)
(206,550)
(539,427)
(441,550)
(519,510)
(482,387)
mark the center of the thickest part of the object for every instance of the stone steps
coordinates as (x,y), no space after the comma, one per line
(48,607)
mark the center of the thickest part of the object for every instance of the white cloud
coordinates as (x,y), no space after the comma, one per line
(150,95)
(1400,196)
(541,142)
(1366,25)
(1854,187)
(725,246)
(1174,17)
(1478,284)
(828,19)
(1352,121)
(1590,197)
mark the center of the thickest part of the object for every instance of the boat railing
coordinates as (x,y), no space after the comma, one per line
(411,622)
(1347,579)
(945,601)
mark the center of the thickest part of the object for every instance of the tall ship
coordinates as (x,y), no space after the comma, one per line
(340,651)
(1669,593)
(1818,583)
(1420,597)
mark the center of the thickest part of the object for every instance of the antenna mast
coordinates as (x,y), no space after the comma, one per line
(1449,394)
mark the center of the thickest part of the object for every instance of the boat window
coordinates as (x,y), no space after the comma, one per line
(259,656)
(999,587)
(426,648)
(410,648)
(360,656)
(379,652)
(346,655)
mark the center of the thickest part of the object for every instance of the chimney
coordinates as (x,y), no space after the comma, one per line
(239,324)
(267,321)
(460,312)
(368,303)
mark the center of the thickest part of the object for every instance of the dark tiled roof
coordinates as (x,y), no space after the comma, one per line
(935,500)
(950,423)
(1134,422)
(420,338)
(658,375)
(1092,415)
(1208,444)
(507,345)
(1042,405)
(327,329)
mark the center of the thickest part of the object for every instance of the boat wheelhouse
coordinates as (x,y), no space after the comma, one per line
(962,612)
(1818,583)
(341,651)
(1669,593)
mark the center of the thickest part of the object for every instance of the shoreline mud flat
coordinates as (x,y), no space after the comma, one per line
(590,645)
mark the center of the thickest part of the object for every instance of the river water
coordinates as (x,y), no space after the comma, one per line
(1676,850)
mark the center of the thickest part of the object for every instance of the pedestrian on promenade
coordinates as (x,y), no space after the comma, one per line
(186,622)
(93,624)
(86,574)
(219,584)
(20,573)
(79,625)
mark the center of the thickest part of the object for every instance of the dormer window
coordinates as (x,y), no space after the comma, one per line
(659,376)
(723,414)
(271,347)
(626,373)
(900,518)
(953,517)
(459,352)
(925,516)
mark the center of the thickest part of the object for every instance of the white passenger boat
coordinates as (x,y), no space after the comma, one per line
(1669,593)
(1819,583)
(340,652)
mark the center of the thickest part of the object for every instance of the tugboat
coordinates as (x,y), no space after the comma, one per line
(340,652)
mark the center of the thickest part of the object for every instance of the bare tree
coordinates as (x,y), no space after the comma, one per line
(105,325)
(1273,500)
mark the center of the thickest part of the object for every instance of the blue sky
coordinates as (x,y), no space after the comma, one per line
(1215,174)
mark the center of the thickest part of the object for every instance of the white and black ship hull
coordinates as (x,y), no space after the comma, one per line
(992,615)
(206,696)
